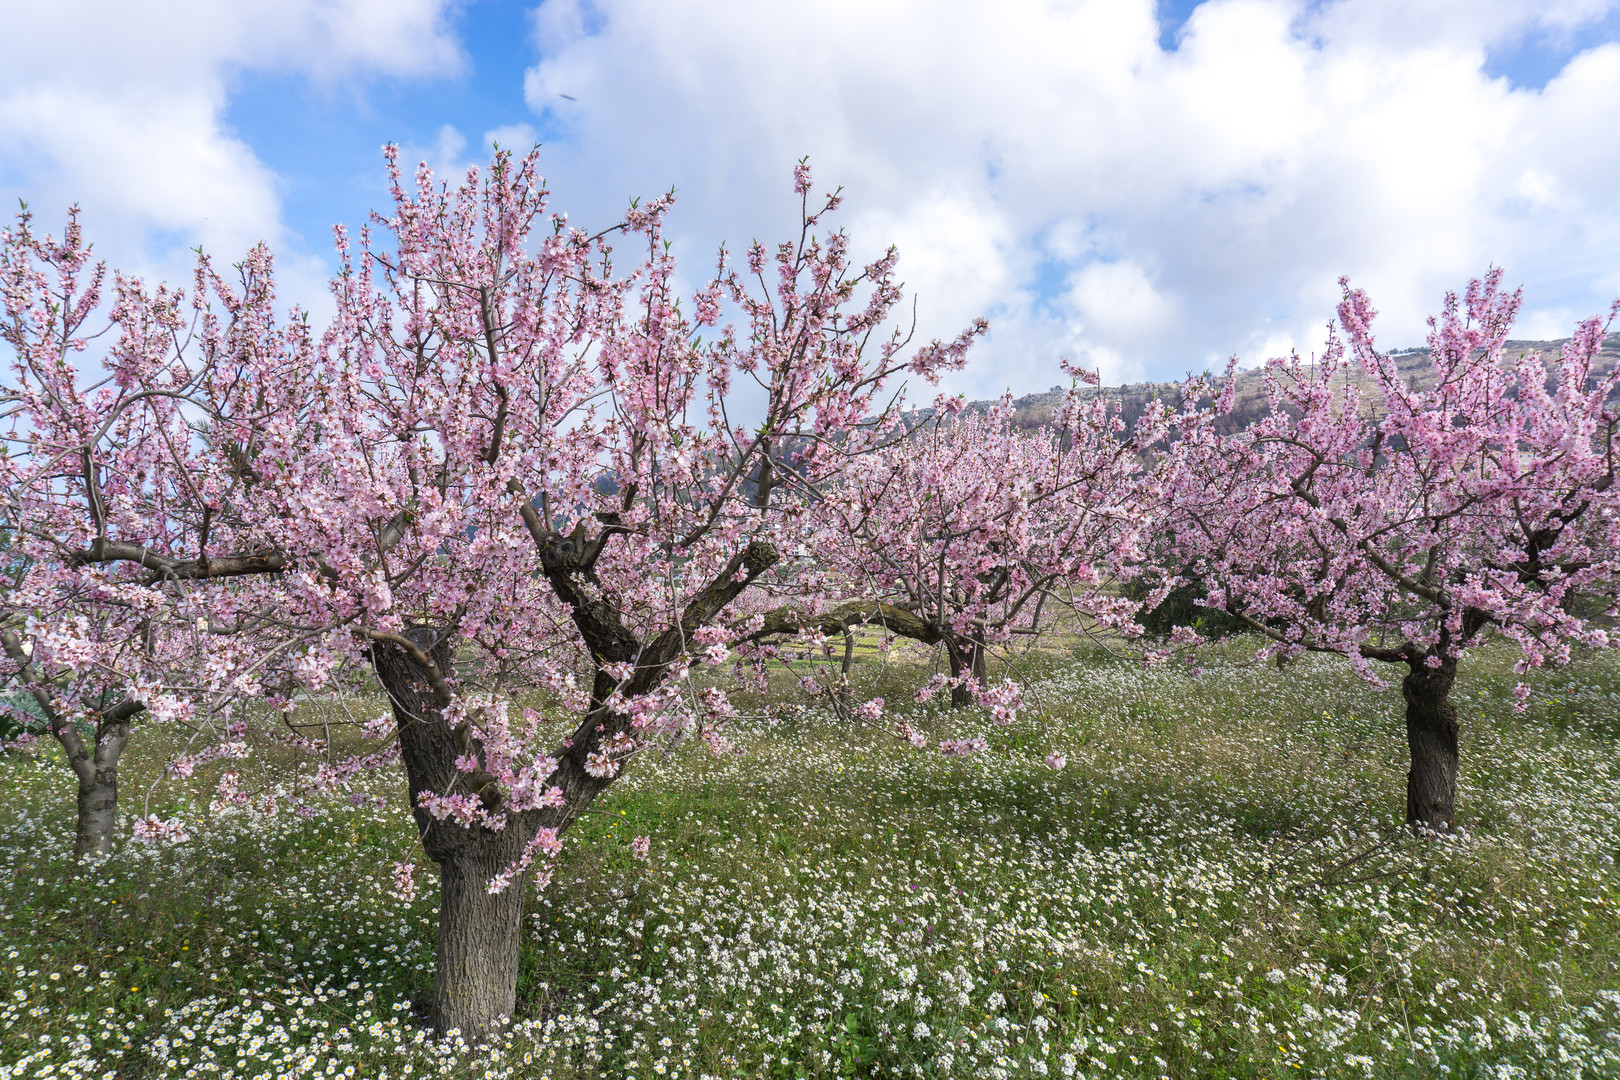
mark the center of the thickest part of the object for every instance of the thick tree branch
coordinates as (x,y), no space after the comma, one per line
(102,552)
(442,695)
(787,621)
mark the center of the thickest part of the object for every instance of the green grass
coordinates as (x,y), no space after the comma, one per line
(1215,886)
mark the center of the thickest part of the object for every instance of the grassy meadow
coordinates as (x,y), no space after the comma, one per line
(1216,885)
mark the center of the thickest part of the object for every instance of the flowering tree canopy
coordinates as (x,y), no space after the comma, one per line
(1397,521)
(970,531)
(505,459)
(510,470)
(119,526)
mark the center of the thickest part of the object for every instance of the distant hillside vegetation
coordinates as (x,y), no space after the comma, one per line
(1033,410)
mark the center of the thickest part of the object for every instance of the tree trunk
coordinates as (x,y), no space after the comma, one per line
(98,792)
(95,767)
(1431,735)
(843,704)
(475,982)
(480,933)
(966,657)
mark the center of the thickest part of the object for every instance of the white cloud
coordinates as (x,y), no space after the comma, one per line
(953,250)
(445,156)
(1267,345)
(1403,23)
(518,138)
(1052,167)
(150,162)
(118,106)
(1048,165)
(1118,302)
(1539,324)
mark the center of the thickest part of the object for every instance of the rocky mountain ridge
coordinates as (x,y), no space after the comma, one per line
(1034,410)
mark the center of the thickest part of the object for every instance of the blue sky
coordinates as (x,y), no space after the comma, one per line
(324,140)
(1147,187)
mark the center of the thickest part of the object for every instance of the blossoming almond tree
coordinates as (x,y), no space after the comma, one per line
(1397,521)
(970,530)
(107,611)
(502,455)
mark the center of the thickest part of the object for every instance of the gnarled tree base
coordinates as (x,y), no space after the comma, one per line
(1431,736)
(475,983)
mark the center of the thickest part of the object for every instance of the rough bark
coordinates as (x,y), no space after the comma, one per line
(98,790)
(475,981)
(610,642)
(786,621)
(843,702)
(103,551)
(480,933)
(96,768)
(966,658)
(1431,735)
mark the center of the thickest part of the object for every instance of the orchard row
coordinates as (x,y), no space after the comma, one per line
(512,479)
